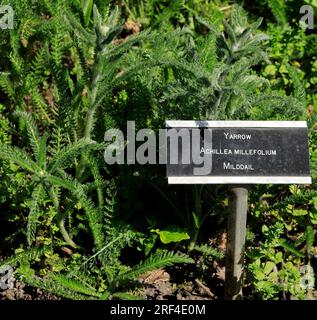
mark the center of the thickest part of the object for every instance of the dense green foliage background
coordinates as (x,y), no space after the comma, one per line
(81,229)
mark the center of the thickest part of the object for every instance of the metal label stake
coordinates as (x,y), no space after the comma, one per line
(237,223)
(237,153)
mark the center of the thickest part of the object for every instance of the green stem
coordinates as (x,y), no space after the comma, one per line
(65,235)
(222,80)
(96,254)
(91,110)
(60,219)
(193,241)
(197,190)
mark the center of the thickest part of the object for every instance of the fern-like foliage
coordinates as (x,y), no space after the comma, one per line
(219,81)
(75,286)
(28,255)
(62,288)
(155,261)
(278,8)
(64,98)
(42,172)
(37,196)
(78,286)
(207,251)
(61,73)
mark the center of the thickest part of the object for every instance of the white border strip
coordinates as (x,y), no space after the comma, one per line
(235,124)
(240,180)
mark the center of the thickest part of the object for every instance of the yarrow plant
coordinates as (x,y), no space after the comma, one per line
(72,74)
